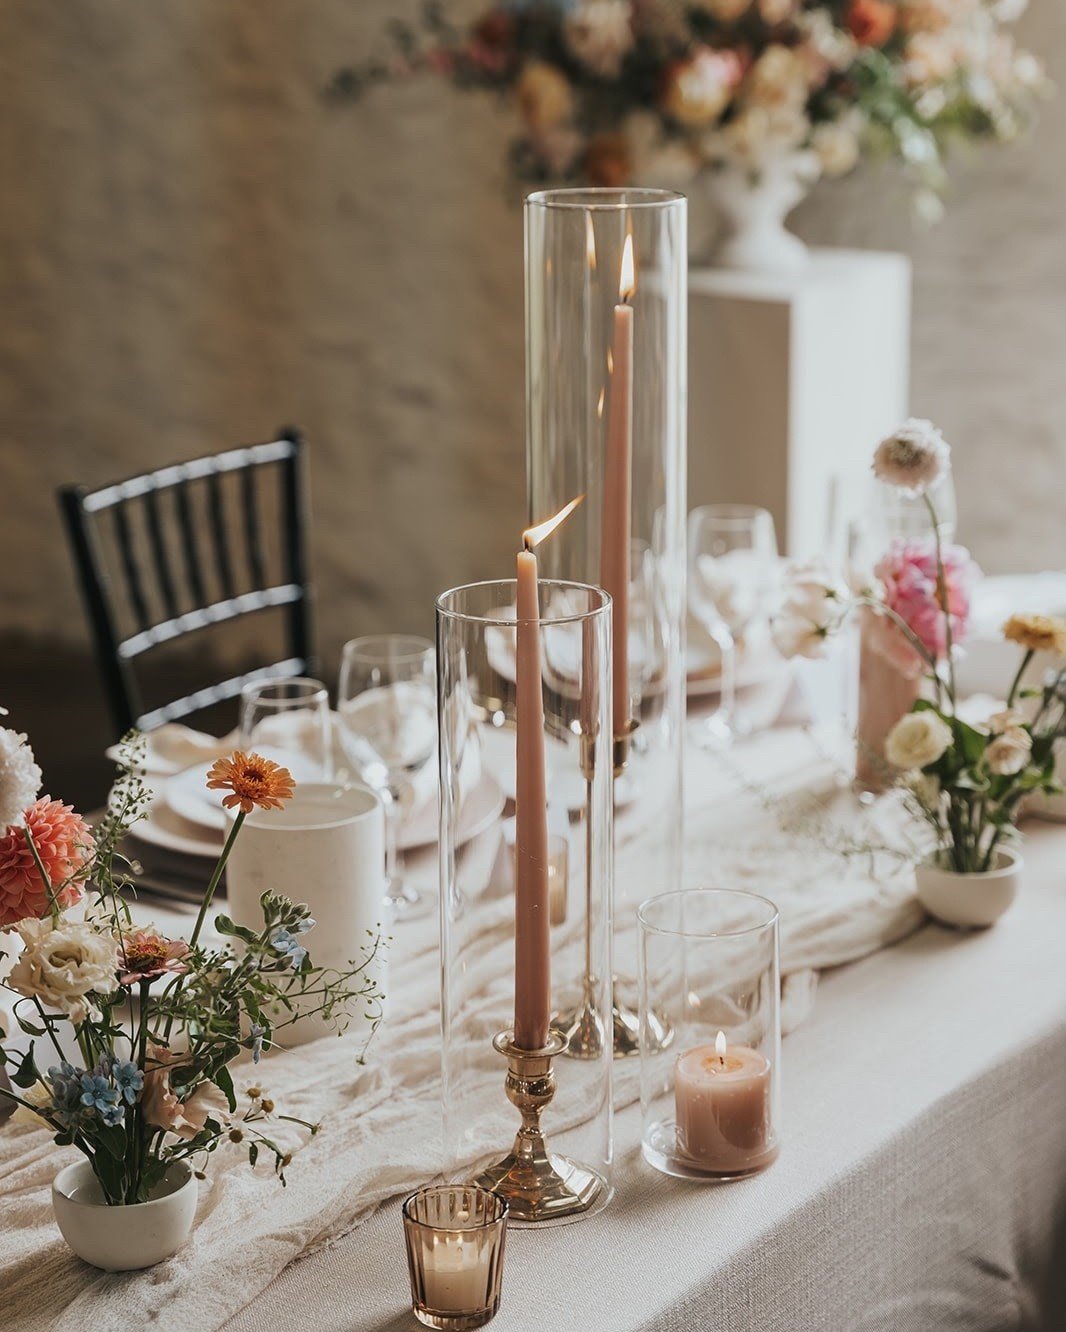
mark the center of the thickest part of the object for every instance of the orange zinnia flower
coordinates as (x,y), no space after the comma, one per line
(254,781)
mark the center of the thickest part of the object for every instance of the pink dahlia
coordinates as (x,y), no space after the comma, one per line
(144,955)
(909,582)
(64,844)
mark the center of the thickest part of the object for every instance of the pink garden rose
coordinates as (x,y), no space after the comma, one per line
(907,574)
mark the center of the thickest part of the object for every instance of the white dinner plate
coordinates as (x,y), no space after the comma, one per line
(480,809)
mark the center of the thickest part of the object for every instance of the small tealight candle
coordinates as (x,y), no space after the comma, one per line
(723,1108)
(455,1242)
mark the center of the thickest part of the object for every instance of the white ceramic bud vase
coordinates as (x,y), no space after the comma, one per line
(128,1237)
(752,204)
(969,901)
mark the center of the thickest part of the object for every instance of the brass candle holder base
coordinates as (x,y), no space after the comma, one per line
(583,1029)
(539,1186)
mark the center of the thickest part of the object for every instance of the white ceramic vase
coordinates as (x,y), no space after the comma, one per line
(970,901)
(129,1237)
(752,206)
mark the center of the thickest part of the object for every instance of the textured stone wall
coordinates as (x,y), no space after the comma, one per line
(195,250)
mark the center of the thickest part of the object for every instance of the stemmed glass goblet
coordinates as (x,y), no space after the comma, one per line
(386,701)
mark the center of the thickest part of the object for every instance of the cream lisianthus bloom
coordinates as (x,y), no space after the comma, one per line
(545,98)
(1004,721)
(1008,753)
(837,146)
(813,609)
(779,78)
(918,739)
(37,1097)
(925,788)
(62,964)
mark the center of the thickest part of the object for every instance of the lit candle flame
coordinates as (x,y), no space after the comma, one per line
(720,1046)
(627,282)
(533,536)
(590,241)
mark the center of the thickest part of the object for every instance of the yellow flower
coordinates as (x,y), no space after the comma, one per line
(254,782)
(1037,633)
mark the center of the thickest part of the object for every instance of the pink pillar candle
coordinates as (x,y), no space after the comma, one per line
(723,1108)
(618,490)
(532,971)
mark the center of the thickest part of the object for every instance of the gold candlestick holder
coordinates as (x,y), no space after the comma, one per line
(539,1185)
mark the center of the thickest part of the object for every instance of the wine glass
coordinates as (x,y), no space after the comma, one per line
(732,565)
(288,720)
(386,701)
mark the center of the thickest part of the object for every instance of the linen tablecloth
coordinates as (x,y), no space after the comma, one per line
(637,1265)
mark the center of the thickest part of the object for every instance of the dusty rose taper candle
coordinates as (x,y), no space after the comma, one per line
(618,488)
(532,970)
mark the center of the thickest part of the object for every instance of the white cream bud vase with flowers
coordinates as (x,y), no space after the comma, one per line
(143,1090)
(965,781)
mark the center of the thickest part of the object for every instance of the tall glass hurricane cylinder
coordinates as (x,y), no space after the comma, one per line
(476,681)
(606,354)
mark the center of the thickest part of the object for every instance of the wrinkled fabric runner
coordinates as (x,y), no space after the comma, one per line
(771,818)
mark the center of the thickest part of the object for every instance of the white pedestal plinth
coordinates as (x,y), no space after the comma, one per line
(792,381)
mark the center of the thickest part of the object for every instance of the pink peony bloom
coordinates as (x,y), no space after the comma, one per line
(65,845)
(908,578)
(145,955)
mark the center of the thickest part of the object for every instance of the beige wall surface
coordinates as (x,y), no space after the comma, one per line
(194,249)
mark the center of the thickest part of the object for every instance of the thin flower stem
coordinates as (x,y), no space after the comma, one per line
(206,903)
(1018,677)
(50,1030)
(942,597)
(50,892)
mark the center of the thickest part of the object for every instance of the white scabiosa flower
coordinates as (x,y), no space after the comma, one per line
(20,777)
(913,458)
(917,740)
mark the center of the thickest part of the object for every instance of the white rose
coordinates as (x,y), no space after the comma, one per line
(1009,752)
(61,964)
(917,740)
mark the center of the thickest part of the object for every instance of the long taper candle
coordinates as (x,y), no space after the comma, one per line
(618,487)
(532,982)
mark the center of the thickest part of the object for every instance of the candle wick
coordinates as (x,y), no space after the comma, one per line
(526,543)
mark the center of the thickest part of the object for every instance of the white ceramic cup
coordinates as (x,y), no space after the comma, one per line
(124,1239)
(325,847)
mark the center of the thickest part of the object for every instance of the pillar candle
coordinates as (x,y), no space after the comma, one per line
(723,1108)
(618,489)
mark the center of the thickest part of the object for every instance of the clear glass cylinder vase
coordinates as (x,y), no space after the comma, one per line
(606,352)
(709,964)
(482,857)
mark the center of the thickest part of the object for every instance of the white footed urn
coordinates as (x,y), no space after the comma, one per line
(752,204)
(971,901)
(128,1237)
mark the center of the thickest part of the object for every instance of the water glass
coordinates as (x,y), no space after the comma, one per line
(289,721)
(732,557)
(455,1236)
(386,702)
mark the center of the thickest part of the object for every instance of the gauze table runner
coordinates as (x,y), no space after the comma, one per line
(380,1122)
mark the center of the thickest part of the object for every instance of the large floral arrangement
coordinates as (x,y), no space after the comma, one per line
(137,1086)
(609,91)
(966,781)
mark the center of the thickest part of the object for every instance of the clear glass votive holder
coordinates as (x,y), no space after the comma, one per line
(455,1236)
(709,964)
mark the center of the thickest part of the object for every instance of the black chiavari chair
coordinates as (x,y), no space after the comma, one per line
(186,548)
